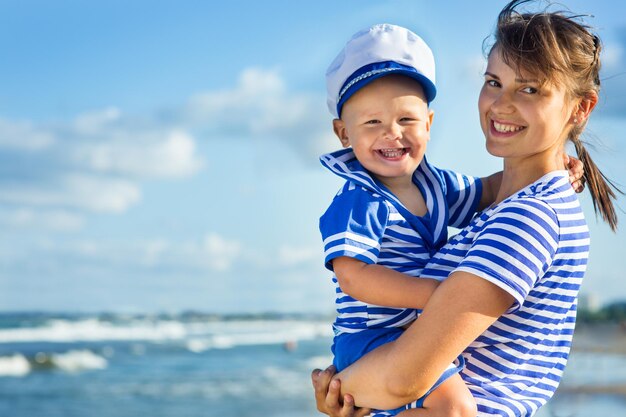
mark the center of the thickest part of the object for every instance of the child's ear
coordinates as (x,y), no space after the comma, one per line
(431,115)
(339,127)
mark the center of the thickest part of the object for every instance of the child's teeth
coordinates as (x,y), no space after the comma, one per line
(392,153)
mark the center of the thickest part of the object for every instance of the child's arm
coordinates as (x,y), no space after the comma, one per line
(379,285)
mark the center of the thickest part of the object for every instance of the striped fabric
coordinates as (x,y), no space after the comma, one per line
(367,222)
(534,245)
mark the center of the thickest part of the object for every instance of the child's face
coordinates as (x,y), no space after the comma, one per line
(387,123)
(520,117)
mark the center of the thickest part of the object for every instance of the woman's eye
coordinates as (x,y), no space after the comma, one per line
(492,83)
(529,90)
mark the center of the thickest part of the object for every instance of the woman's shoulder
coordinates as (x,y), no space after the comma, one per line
(551,195)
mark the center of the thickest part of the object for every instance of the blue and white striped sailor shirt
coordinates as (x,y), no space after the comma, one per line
(535,246)
(367,222)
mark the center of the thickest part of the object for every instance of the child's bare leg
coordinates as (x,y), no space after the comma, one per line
(450,399)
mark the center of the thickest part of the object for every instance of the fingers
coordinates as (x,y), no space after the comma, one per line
(322,384)
(579,186)
(348,409)
(328,393)
(332,398)
(575,168)
(576,172)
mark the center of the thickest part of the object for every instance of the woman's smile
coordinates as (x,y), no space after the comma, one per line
(505,128)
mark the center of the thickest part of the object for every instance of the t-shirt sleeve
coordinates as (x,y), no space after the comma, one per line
(353,225)
(515,248)
(462,195)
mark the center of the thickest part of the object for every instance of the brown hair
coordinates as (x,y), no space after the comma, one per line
(560,50)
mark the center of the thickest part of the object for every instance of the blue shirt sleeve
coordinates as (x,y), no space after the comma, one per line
(515,248)
(353,225)
(462,195)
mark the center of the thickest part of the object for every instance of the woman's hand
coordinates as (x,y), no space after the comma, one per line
(327,392)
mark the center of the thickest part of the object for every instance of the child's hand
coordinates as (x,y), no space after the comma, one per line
(576,172)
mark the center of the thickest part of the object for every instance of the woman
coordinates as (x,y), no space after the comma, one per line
(508,302)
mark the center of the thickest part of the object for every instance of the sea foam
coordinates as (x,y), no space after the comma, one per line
(16,365)
(78,360)
(197,336)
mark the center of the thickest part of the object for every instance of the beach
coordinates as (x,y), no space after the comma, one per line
(114,365)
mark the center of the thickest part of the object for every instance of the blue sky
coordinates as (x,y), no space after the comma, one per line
(162,156)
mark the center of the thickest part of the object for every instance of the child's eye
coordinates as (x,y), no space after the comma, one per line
(372,122)
(530,90)
(407,119)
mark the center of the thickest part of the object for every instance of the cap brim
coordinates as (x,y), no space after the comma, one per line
(429,88)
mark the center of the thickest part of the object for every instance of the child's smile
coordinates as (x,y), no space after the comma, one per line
(393,154)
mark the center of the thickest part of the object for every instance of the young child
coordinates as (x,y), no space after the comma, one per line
(392,214)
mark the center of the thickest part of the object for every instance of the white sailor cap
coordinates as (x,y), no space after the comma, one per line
(374,52)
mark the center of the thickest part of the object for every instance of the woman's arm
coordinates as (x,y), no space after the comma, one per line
(396,373)
(376,284)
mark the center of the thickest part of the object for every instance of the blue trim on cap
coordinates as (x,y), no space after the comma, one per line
(368,73)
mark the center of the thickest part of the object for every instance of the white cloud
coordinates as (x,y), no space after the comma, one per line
(96,162)
(78,191)
(257,93)
(93,163)
(290,255)
(29,218)
(154,251)
(259,107)
(94,122)
(212,253)
(154,155)
(221,252)
(23,136)
(612,55)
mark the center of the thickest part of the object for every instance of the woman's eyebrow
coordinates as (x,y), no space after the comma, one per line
(518,80)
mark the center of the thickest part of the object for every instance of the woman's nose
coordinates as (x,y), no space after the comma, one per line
(502,103)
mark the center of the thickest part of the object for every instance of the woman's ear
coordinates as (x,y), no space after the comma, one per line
(339,127)
(585,107)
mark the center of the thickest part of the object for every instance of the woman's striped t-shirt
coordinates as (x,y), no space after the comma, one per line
(535,246)
(367,222)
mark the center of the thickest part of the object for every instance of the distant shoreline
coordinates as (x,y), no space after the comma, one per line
(600,338)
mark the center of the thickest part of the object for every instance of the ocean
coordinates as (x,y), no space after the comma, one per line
(115,365)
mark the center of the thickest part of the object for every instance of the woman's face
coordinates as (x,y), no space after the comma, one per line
(520,117)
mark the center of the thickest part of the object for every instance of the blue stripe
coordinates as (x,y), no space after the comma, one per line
(528,345)
(406,244)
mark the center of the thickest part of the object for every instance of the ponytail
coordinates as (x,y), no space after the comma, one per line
(602,189)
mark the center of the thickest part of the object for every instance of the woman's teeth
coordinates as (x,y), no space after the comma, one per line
(502,128)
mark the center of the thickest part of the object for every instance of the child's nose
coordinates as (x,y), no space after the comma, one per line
(393,131)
